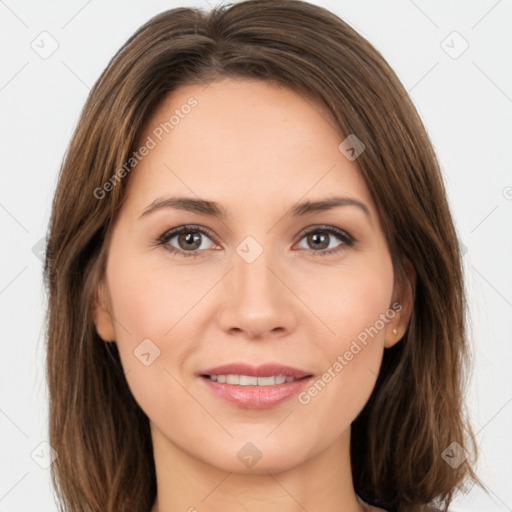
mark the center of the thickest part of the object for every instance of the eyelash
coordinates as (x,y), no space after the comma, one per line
(162,240)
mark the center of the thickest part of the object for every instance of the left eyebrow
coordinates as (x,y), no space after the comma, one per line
(327,204)
(213,209)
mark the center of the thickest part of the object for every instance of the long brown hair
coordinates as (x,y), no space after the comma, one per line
(102,437)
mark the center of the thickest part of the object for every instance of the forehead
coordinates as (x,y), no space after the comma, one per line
(250,141)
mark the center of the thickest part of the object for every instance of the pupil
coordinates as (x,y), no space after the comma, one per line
(320,238)
(191,240)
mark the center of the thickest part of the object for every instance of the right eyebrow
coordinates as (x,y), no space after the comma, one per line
(200,206)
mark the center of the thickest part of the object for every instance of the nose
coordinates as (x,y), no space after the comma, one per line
(257,302)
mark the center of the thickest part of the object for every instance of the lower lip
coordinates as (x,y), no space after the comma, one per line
(256,397)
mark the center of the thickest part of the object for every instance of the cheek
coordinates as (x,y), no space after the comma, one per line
(149,295)
(362,301)
(356,315)
(150,304)
(351,298)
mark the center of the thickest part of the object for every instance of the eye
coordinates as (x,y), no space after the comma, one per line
(321,238)
(189,240)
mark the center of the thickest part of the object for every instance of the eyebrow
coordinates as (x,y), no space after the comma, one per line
(213,209)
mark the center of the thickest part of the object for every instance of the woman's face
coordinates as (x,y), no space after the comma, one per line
(260,276)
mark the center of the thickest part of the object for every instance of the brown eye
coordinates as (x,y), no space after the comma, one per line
(190,240)
(322,240)
(318,241)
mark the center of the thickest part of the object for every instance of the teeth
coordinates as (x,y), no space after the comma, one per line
(245,380)
(250,380)
(232,379)
(265,381)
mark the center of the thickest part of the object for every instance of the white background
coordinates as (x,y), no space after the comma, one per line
(465,102)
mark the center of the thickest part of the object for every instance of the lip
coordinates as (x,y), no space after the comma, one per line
(263,370)
(256,397)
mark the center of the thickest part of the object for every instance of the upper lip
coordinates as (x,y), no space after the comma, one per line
(263,370)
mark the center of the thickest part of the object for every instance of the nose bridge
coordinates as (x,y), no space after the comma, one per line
(255,301)
(253,278)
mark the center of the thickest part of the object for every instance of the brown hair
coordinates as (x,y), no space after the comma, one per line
(102,437)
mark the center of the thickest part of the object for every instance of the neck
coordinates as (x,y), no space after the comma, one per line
(185,483)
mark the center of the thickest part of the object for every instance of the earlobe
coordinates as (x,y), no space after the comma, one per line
(101,314)
(403,297)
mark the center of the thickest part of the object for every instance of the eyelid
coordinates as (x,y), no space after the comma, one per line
(164,238)
(346,239)
(342,233)
(171,233)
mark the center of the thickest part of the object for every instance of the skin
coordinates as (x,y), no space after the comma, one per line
(256,149)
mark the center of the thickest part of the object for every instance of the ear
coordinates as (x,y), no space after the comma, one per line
(101,307)
(402,304)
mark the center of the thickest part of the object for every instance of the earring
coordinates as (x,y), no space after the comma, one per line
(395,332)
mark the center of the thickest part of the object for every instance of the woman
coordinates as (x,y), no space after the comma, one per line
(256,296)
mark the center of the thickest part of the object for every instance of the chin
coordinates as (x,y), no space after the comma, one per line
(257,454)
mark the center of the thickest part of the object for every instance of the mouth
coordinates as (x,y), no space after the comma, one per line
(252,387)
(246,372)
(252,380)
